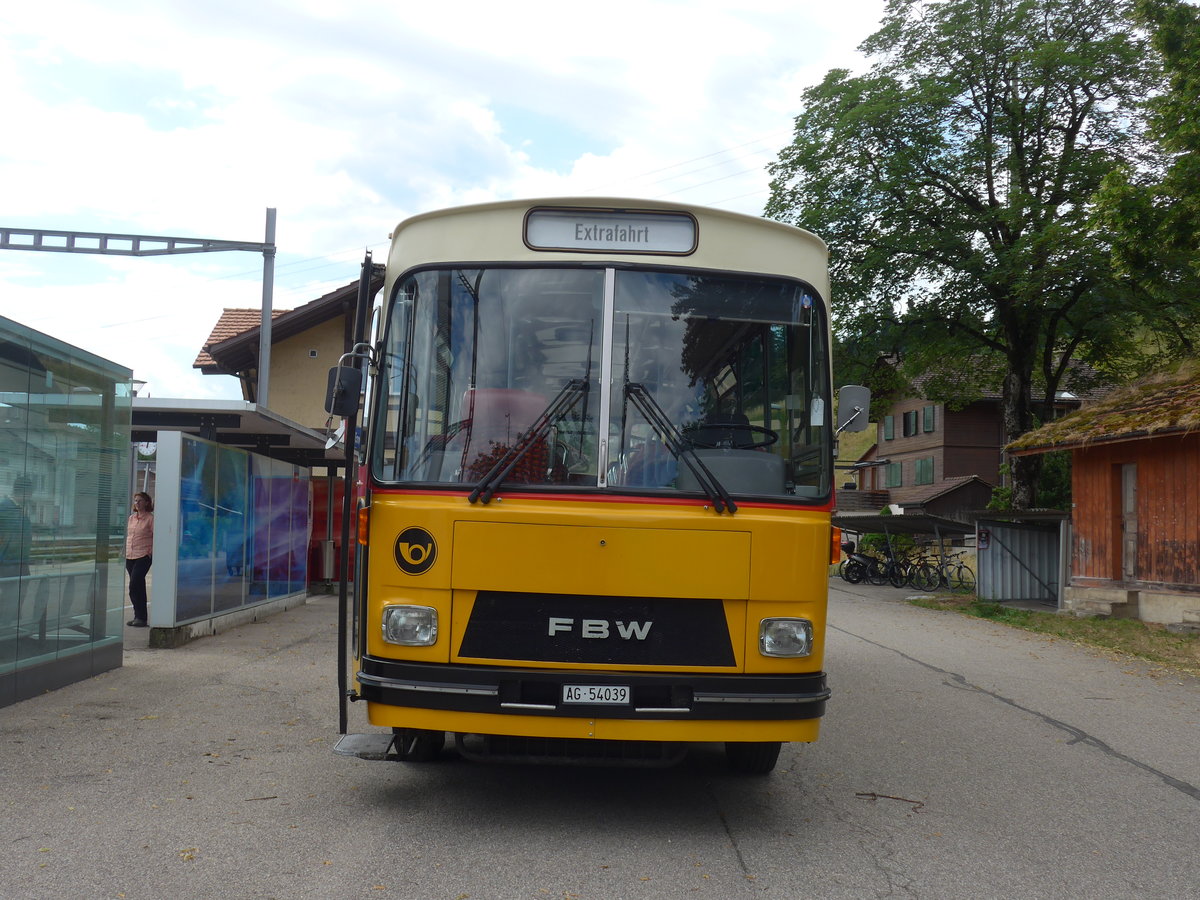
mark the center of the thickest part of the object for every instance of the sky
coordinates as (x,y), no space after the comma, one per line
(188,119)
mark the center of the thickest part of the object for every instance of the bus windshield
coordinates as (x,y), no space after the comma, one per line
(602,378)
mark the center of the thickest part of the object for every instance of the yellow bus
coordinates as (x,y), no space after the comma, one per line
(595,489)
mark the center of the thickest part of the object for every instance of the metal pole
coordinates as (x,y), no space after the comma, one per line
(349,507)
(264,334)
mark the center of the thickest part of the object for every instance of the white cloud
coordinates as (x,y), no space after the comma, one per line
(190,119)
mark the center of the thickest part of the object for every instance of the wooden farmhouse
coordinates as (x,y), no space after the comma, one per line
(1135,487)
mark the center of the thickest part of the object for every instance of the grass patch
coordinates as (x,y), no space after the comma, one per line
(1130,636)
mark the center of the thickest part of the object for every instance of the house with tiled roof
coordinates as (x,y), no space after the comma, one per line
(933,457)
(232,323)
(306,342)
(1135,488)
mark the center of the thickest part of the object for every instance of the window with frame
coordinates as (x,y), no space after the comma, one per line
(910,423)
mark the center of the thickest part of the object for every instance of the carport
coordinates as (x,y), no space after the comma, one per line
(937,526)
(1018,555)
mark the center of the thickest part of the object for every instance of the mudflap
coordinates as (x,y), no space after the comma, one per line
(375,746)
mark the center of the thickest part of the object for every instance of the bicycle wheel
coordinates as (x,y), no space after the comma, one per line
(924,578)
(897,574)
(964,579)
(944,573)
(875,574)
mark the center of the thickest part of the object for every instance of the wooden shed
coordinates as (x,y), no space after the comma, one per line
(1135,488)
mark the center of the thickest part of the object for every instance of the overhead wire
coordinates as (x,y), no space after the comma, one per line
(329,260)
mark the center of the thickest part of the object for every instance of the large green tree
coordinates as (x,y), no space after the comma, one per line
(1153,204)
(953,181)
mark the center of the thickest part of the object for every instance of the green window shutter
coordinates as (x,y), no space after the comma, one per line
(889,428)
(928,415)
(925,471)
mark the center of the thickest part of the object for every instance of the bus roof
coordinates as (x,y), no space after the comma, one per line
(490,233)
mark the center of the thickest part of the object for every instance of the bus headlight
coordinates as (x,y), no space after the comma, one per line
(411,626)
(785,637)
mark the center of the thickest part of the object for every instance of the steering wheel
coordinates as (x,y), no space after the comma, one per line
(768,436)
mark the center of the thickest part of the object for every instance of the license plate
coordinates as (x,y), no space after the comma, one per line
(602,694)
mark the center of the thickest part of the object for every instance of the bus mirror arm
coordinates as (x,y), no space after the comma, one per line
(846,424)
(854,405)
(679,448)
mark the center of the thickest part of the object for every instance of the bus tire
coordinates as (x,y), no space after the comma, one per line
(418,745)
(751,758)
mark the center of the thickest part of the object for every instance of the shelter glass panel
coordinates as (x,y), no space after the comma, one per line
(64,438)
(244,526)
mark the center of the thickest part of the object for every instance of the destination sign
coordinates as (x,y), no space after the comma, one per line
(597,231)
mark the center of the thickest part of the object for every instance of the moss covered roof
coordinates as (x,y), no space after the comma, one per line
(1166,403)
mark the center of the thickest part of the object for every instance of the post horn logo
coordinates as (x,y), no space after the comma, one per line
(416,550)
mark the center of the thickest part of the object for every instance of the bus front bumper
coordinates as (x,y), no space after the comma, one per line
(541,693)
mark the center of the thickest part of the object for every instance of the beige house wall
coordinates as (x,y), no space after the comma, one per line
(299,378)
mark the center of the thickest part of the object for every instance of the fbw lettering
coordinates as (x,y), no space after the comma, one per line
(598,629)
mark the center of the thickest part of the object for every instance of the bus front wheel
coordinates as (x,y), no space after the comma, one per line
(752,758)
(418,745)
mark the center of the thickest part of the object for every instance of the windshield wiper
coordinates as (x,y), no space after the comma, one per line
(680,448)
(557,409)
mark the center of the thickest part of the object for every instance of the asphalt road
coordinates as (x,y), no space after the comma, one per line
(959,758)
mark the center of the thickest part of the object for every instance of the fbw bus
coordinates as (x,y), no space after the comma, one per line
(595,489)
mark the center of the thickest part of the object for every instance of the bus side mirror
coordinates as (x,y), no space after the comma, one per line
(341,396)
(854,408)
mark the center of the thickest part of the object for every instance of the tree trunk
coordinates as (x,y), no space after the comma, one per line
(1017,414)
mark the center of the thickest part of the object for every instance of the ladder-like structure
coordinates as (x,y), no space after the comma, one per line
(158,245)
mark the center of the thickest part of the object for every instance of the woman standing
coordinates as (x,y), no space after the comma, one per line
(139,549)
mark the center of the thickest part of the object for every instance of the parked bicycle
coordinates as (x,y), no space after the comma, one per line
(923,572)
(892,569)
(946,573)
(956,575)
(859,567)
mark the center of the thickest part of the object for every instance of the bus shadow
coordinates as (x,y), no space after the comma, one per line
(553,800)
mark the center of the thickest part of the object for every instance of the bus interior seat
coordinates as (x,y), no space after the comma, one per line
(498,416)
(651,465)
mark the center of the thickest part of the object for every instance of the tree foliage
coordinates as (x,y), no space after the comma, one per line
(953,181)
(1152,204)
